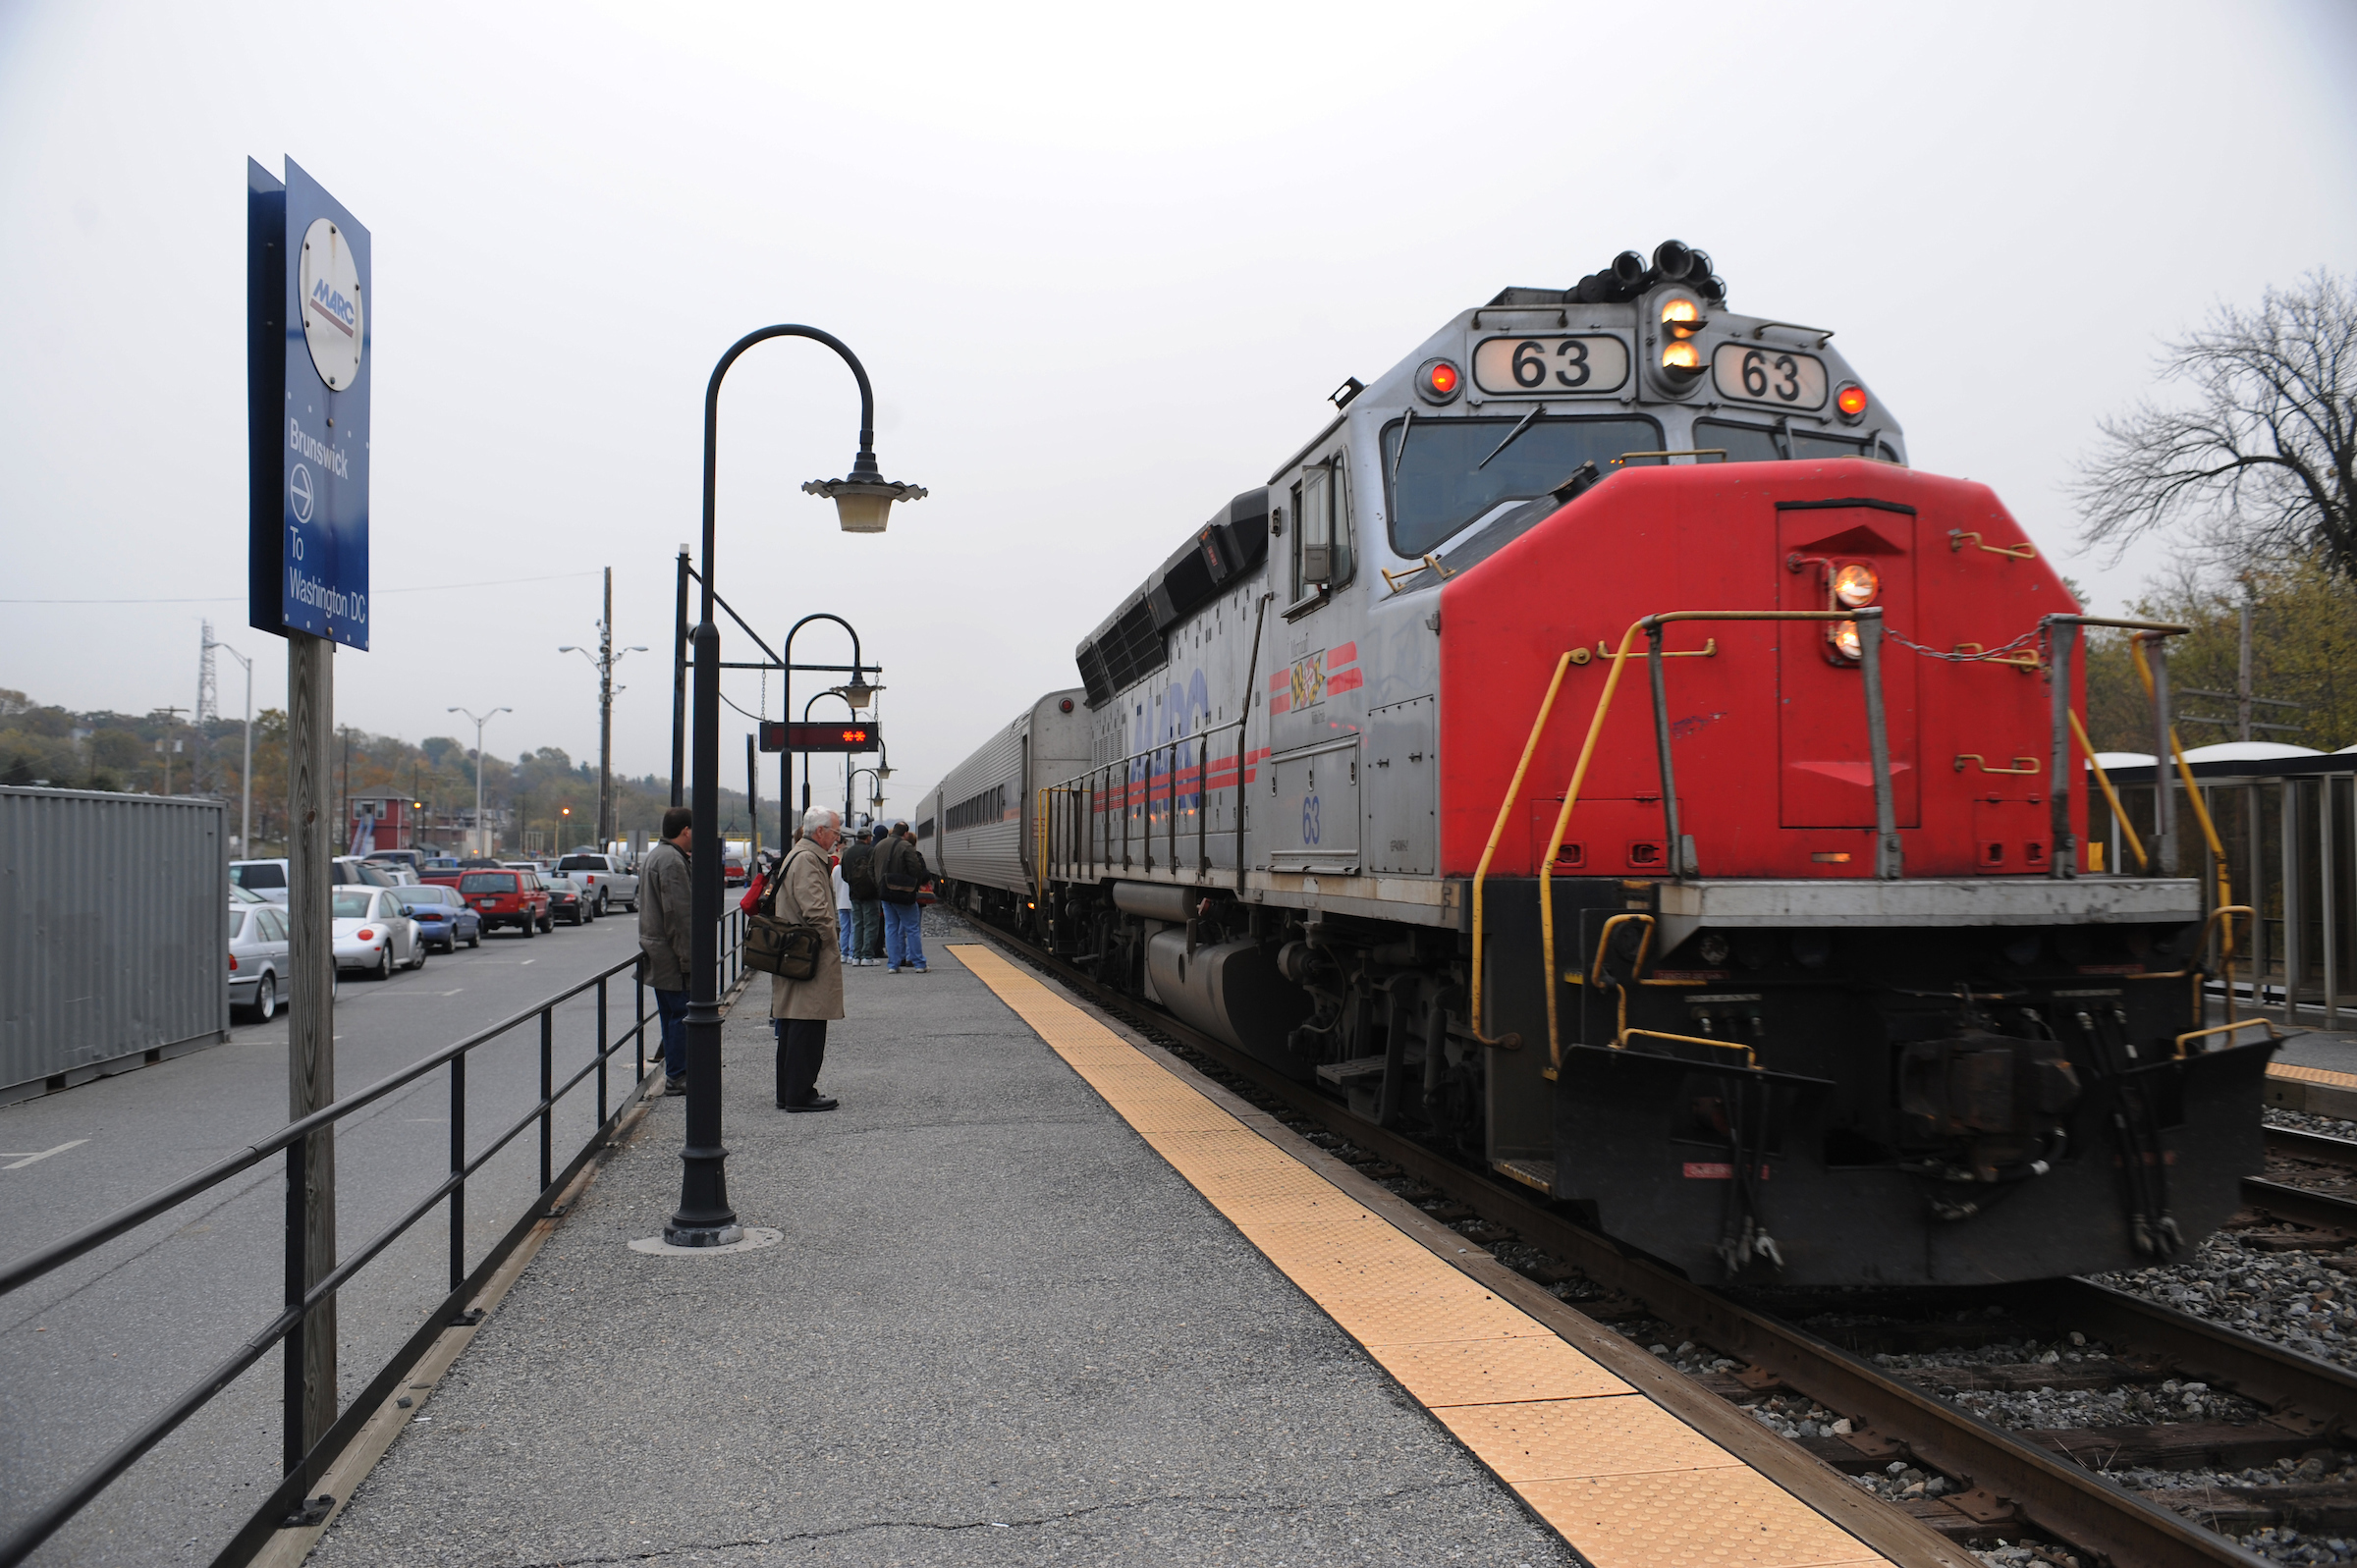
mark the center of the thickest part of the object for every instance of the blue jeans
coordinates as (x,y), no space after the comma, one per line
(904,933)
(842,928)
(672,1008)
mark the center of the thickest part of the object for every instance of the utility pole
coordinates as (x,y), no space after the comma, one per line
(605,720)
(604,659)
(166,744)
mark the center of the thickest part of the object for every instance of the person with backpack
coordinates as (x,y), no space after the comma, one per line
(901,875)
(867,899)
(803,893)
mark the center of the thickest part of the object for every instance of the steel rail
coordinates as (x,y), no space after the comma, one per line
(2302,1206)
(2051,1493)
(2318,1147)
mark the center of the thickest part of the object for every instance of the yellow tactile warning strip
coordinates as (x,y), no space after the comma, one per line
(2322,1075)
(1620,1477)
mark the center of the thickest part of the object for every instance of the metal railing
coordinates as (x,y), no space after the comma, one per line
(1077,831)
(303,1463)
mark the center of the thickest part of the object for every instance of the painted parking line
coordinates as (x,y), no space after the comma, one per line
(24,1160)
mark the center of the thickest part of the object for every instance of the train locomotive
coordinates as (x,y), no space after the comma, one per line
(1599,753)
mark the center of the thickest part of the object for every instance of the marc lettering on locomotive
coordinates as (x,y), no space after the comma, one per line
(1600,752)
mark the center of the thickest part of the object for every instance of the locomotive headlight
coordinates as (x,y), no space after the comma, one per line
(1682,364)
(1854,588)
(1438,381)
(1843,636)
(1850,402)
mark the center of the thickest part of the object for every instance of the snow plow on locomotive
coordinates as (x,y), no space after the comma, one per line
(1599,751)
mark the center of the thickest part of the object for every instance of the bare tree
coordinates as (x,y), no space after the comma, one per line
(2262,451)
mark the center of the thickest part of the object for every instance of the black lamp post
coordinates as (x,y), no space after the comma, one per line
(857,691)
(831,691)
(863,504)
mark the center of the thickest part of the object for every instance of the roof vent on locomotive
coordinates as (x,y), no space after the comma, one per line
(1789,953)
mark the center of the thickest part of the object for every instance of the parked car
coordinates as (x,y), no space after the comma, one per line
(373,935)
(605,879)
(507,898)
(258,958)
(569,900)
(733,873)
(444,917)
(407,859)
(267,878)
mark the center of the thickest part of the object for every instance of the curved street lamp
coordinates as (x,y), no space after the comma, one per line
(483,844)
(863,504)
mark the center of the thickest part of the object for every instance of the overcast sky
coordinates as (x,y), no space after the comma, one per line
(1103,263)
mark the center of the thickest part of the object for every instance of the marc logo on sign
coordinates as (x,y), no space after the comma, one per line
(340,312)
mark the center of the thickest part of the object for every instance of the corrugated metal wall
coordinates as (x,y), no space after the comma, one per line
(114,927)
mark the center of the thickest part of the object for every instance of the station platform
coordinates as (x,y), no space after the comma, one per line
(1042,1295)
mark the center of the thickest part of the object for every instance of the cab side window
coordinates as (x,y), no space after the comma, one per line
(1322,555)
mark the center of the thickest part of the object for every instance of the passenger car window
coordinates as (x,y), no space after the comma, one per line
(259,876)
(236,925)
(487,882)
(352,905)
(273,928)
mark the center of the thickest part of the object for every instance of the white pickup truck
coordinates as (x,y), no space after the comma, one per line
(603,880)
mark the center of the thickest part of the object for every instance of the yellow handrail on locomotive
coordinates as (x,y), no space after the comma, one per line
(2103,782)
(2020,552)
(1579,774)
(1708,650)
(1432,563)
(2273,1033)
(1506,809)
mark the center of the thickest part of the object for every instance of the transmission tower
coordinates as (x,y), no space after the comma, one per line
(208,708)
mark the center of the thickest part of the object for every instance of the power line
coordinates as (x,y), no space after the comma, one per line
(427,588)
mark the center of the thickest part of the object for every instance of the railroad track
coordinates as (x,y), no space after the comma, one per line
(2014,1482)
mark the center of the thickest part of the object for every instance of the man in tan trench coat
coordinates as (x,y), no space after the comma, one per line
(798,1009)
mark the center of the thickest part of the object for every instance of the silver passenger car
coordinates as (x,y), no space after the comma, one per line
(258,959)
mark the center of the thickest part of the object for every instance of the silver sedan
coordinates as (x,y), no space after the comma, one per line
(258,958)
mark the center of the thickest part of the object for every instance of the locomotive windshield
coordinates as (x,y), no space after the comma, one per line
(1762,444)
(1453,470)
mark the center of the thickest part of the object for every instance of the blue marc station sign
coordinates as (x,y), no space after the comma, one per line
(307,373)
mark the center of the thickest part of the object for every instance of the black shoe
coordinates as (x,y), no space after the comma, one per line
(817,1102)
(676,1086)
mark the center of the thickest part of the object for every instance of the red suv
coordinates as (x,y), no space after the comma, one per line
(508,898)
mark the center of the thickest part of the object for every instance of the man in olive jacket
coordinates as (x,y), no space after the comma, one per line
(666,937)
(798,1009)
(867,900)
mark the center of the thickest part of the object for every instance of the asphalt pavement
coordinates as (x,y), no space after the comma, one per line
(92,1351)
(999,1329)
